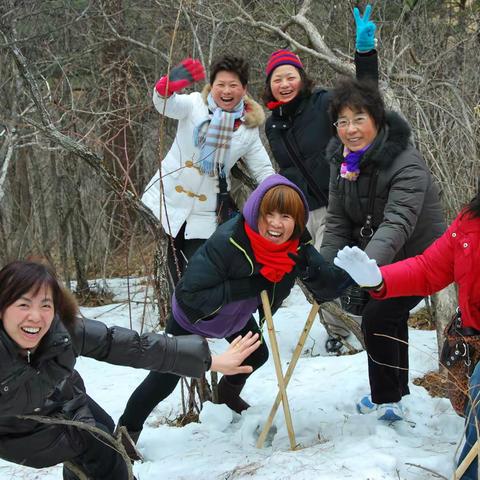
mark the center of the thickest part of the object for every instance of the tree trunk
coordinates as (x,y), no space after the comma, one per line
(444,304)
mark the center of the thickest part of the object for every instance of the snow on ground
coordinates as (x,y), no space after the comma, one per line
(335,441)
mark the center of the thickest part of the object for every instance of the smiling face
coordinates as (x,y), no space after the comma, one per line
(359,130)
(227,90)
(285,83)
(29,318)
(276,227)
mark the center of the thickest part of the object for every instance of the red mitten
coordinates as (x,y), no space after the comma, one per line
(183,75)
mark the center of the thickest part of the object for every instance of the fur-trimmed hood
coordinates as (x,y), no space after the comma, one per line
(389,143)
(254,115)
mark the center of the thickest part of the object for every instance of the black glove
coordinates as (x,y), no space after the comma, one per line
(308,261)
(324,280)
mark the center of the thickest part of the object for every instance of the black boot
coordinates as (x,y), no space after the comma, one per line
(229,394)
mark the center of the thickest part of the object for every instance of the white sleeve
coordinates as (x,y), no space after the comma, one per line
(175,106)
(257,160)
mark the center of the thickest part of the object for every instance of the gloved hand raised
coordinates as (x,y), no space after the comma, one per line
(181,76)
(359,266)
(365,30)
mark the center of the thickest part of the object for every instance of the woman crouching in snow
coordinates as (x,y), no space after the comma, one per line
(263,249)
(41,334)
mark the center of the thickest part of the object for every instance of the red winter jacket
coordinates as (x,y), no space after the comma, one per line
(454,257)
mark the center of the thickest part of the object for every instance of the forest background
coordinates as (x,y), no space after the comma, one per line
(79,137)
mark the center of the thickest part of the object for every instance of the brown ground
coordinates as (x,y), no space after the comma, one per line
(434,382)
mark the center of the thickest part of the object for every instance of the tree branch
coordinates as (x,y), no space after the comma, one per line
(93,160)
(114,443)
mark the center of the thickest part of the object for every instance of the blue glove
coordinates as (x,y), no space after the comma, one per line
(365,30)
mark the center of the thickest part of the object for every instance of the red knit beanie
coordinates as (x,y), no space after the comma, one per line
(282,57)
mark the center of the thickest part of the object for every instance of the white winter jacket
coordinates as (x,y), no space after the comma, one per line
(191,196)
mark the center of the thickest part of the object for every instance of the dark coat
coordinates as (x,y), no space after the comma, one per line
(224,270)
(407,212)
(301,130)
(46,384)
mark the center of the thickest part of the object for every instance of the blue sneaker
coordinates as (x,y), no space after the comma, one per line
(390,412)
(365,405)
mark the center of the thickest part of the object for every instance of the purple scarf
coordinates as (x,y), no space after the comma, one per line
(350,168)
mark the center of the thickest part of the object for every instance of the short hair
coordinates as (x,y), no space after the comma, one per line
(20,277)
(358,95)
(230,63)
(285,199)
(307,86)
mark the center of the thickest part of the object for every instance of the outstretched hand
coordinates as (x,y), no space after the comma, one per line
(229,362)
(181,76)
(365,30)
(359,266)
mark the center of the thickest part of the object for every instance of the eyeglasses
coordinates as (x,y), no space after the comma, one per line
(356,122)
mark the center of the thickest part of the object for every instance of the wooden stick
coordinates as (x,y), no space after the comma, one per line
(291,367)
(278,368)
(466,461)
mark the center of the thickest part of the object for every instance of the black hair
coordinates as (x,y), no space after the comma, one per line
(358,95)
(473,208)
(307,86)
(20,277)
(230,63)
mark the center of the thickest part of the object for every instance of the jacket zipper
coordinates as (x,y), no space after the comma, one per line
(233,242)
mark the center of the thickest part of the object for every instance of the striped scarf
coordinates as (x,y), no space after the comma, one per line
(213,136)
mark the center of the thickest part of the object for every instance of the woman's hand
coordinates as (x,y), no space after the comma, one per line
(181,76)
(365,30)
(229,362)
(359,266)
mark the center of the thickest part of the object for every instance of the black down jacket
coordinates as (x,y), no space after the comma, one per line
(46,384)
(407,212)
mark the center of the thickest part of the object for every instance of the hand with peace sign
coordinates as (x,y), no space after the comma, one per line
(365,34)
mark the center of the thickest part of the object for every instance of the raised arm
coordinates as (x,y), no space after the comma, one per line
(165,97)
(366,58)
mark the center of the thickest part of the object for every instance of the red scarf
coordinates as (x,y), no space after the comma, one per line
(273,258)
(274,104)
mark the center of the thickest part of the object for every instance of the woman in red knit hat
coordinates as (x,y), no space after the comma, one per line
(299,129)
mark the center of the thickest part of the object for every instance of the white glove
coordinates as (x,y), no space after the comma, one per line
(359,266)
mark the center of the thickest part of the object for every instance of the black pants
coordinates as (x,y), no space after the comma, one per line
(158,386)
(388,354)
(179,252)
(99,460)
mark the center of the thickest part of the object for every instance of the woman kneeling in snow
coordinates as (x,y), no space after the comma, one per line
(41,334)
(263,249)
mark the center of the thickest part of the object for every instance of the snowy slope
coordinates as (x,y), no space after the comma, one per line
(335,441)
